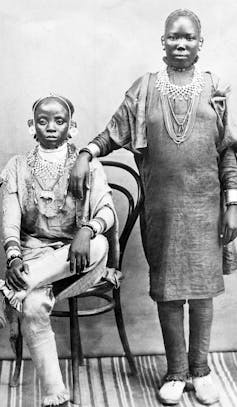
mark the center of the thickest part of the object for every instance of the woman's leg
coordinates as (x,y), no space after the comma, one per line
(54,266)
(200,323)
(171,315)
(38,334)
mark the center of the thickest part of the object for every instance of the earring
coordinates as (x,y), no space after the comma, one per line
(73,131)
(32,131)
(31,126)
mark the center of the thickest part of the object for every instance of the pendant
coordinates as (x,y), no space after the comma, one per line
(48,196)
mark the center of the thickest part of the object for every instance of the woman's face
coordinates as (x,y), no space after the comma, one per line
(51,123)
(182,42)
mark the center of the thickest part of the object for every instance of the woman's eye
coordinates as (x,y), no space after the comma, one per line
(42,122)
(60,121)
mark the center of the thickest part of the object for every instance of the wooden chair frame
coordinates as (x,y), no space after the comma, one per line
(112,301)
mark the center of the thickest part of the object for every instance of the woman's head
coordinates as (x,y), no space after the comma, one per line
(182,38)
(52,120)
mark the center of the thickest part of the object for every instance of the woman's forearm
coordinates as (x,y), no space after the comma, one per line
(102,145)
(11,222)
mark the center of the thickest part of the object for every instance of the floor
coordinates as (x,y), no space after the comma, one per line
(107,382)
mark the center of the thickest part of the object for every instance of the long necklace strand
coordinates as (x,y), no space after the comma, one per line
(179,130)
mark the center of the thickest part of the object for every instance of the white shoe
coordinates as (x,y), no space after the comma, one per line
(171,392)
(205,390)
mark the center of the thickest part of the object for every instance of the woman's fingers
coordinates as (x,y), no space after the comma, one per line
(11,284)
(16,281)
(78,264)
(232,235)
(229,235)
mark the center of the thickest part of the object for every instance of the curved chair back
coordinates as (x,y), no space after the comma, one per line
(134,203)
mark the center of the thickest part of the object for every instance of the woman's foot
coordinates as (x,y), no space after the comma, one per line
(205,390)
(171,392)
(3,321)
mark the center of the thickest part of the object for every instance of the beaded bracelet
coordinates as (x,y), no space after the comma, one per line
(86,150)
(12,258)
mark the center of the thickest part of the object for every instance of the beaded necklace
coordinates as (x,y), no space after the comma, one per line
(47,175)
(179,129)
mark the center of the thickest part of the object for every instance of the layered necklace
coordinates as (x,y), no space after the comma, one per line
(47,170)
(179,129)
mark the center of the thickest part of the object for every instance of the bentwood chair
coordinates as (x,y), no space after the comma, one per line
(105,291)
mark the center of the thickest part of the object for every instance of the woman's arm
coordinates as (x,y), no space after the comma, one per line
(228,176)
(116,135)
(79,253)
(11,239)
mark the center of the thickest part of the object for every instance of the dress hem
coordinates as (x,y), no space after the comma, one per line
(187,297)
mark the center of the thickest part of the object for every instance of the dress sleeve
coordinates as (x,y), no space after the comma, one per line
(228,169)
(221,102)
(127,126)
(11,219)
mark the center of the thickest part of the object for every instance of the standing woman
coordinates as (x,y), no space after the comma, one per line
(177,124)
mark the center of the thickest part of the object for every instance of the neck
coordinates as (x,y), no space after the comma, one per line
(180,69)
(53,154)
(60,148)
(176,69)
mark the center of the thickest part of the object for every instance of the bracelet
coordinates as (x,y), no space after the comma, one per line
(230,196)
(11,250)
(12,258)
(86,150)
(103,224)
(90,227)
(231,203)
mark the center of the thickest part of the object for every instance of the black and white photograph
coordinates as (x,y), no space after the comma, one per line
(118,203)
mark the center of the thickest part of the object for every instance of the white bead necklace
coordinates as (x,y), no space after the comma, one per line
(173,91)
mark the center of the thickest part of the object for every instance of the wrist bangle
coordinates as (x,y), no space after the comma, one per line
(230,196)
(231,203)
(90,227)
(12,258)
(12,250)
(86,150)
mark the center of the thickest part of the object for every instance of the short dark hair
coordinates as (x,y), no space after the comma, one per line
(184,13)
(67,103)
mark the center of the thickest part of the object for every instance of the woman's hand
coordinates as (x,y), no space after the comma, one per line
(79,252)
(14,275)
(229,229)
(79,179)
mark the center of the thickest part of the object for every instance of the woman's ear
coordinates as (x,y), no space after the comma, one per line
(163,42)
(201,41)
(31,125)
(73,131)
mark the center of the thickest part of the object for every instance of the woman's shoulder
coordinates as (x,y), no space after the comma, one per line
(14,160)
(138,90)
(220,85)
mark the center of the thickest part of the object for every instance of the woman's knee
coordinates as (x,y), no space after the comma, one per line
(99,248)
(201,303)
(38,305)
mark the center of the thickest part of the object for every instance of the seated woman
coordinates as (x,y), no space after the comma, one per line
(49,235)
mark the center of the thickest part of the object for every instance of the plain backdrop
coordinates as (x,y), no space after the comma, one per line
(91,52)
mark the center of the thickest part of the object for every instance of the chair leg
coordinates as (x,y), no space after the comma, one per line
(122,332)
(14,382)
(75,351)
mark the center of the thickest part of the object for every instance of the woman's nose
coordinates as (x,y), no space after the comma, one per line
(51,126)
(181,44)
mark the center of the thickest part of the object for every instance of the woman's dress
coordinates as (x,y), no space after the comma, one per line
(181,225)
